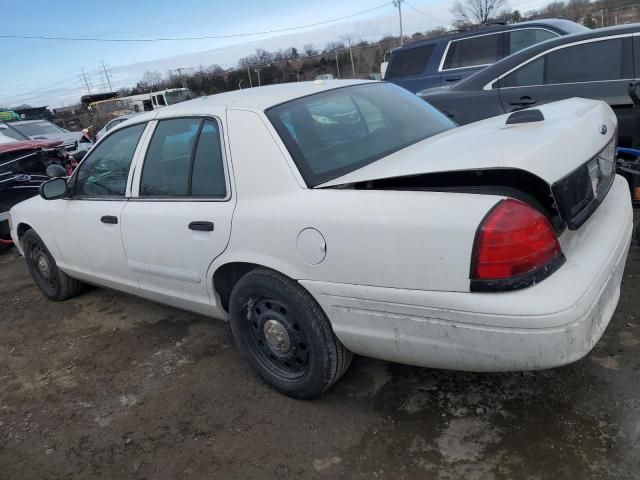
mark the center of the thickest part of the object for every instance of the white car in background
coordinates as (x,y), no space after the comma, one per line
(337,217)
(113,123)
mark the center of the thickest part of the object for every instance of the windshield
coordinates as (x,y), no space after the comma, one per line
(33,129)
(177,96)
(333,133)
(8,134)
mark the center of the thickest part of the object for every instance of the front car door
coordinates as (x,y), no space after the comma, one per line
(178,219)
(87,226)
(598,68)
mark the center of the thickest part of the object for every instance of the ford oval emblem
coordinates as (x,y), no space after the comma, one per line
(603,129)
(22,178)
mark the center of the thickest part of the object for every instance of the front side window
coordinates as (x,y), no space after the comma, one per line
(335,132)
(472,52)
(521,39)
(160,100)
(105,171)
(184,159)
(586,62)
(409,62)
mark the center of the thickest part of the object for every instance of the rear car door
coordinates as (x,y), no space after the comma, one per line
(87,226)
(598,68)
(465,56)
(178,219)
(410,68)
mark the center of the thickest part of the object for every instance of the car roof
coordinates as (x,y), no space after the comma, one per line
(22,122)
(556,23)
(257,98)
(483,76)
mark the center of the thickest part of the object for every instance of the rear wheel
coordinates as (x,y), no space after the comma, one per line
(285,335)
(53,282)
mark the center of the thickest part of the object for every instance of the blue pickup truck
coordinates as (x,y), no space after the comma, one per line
(444,60)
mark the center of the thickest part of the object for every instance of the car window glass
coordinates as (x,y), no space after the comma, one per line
(338,131)
(166,165)
(160,100)
(530,74)
(208,178)
(409,62)
(105,170)
(482,50)
(519,39)
(586,62)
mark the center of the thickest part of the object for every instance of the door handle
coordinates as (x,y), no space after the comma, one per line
(109,219)
(201,226)
(452,79)
(523,102)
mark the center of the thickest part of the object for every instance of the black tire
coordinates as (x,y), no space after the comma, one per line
(52,281)
(315,359)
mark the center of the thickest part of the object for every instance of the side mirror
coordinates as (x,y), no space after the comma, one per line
(53,189)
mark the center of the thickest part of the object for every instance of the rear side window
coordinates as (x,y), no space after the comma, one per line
(105,171)
(184,159)
(335,132)
(520,39)
(586,62)
(472,52)
(409,62)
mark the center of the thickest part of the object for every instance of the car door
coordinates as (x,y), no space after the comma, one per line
(87,226)
(464,57)
(179,217)
(597,68)
(410,68)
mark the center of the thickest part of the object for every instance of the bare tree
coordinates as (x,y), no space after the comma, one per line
(309,51)
(470,12)
(151,79)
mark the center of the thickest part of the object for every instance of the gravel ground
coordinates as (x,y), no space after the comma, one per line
(110,386)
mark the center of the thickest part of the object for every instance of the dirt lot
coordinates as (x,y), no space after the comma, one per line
(110,386)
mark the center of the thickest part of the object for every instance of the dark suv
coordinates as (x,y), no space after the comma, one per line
(601,64)
(447,59)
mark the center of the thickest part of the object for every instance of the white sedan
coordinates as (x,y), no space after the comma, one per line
(329,218)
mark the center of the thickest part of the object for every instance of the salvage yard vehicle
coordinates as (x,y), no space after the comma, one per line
(384,232)
(24,166)
(447,59)
(45,130)
(601,64)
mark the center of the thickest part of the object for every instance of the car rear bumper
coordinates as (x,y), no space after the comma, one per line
(553,323)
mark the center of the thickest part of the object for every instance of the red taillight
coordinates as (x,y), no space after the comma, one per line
(514,240)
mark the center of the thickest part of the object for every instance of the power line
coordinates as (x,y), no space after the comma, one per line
(176,39)
(424,13)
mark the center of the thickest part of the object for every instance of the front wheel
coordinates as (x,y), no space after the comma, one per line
(285,335)
(52,281)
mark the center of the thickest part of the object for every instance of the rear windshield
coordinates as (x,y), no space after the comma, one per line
(333,133)
(37,128)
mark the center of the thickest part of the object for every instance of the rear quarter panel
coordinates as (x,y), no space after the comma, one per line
(401,239)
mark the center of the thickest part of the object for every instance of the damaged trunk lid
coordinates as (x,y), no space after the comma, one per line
(569,157)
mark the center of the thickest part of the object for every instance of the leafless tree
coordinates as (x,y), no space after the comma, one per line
(470,12)
(151,79)
(309,51)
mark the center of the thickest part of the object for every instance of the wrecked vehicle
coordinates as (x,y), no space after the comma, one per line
(329,218)
(24,166)
(45,130)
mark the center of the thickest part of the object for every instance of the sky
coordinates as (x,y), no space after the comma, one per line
(49,72)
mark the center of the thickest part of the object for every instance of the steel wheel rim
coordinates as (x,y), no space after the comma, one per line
(42,265)
(277,339)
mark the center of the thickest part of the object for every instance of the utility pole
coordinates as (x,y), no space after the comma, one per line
(337,65)
(179,70)
(106,74)
(86,82)
(398,5)
(257,70)
(353,68)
